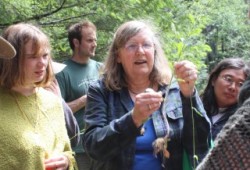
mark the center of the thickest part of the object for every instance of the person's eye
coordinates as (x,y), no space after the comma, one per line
(91,40)
(228,79)
(147,45)
(45,56)
(132,46)
(240,84)
(30,56)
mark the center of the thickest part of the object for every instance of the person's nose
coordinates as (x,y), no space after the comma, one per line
(42,61)
(94,44)
(233,86)
(140,49)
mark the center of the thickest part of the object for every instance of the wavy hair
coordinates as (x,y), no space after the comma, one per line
(113,71)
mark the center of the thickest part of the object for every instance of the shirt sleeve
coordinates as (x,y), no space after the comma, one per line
(60,77)
(71,125)
(106,136)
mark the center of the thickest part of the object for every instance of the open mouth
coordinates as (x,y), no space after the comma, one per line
(39,73)
(140,62)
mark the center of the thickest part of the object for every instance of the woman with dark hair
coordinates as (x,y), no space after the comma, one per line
(231,147)
(220,95)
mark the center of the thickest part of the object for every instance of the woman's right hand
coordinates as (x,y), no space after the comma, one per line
(145,104)
(58,162)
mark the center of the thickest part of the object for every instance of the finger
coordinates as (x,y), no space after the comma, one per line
(190,74)
(154,106)
(53,84)
(58,165)
(187,71)
(148,98)
(55,81)
(58,162)
(182,65)
(146,103)
(149,107)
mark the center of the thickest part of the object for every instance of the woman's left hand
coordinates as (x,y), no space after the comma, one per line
(186,74)
(58,162)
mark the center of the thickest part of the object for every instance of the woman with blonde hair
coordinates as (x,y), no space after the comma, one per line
(32,127)
(133,105)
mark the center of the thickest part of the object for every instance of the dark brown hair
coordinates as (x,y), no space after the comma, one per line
(208,96)
(75,31)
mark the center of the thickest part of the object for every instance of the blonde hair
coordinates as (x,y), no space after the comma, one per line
(113,71)
(12,70)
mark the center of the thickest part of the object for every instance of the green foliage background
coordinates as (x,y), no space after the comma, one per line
(203,31)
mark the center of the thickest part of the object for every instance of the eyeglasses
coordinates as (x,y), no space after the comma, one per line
(133,47)
(229,80)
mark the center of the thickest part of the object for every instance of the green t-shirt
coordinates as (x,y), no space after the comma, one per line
(74,81)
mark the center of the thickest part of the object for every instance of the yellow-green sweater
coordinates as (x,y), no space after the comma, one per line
(31,129)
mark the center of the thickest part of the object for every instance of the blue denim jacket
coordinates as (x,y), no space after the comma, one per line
(110,133)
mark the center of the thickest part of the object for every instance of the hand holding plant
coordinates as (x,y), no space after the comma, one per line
(186,74)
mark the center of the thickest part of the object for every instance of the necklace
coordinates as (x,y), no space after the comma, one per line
(135,93)
(140,91)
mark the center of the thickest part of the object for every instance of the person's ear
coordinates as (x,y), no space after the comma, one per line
(213,80)
(118,60)
(76,42)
